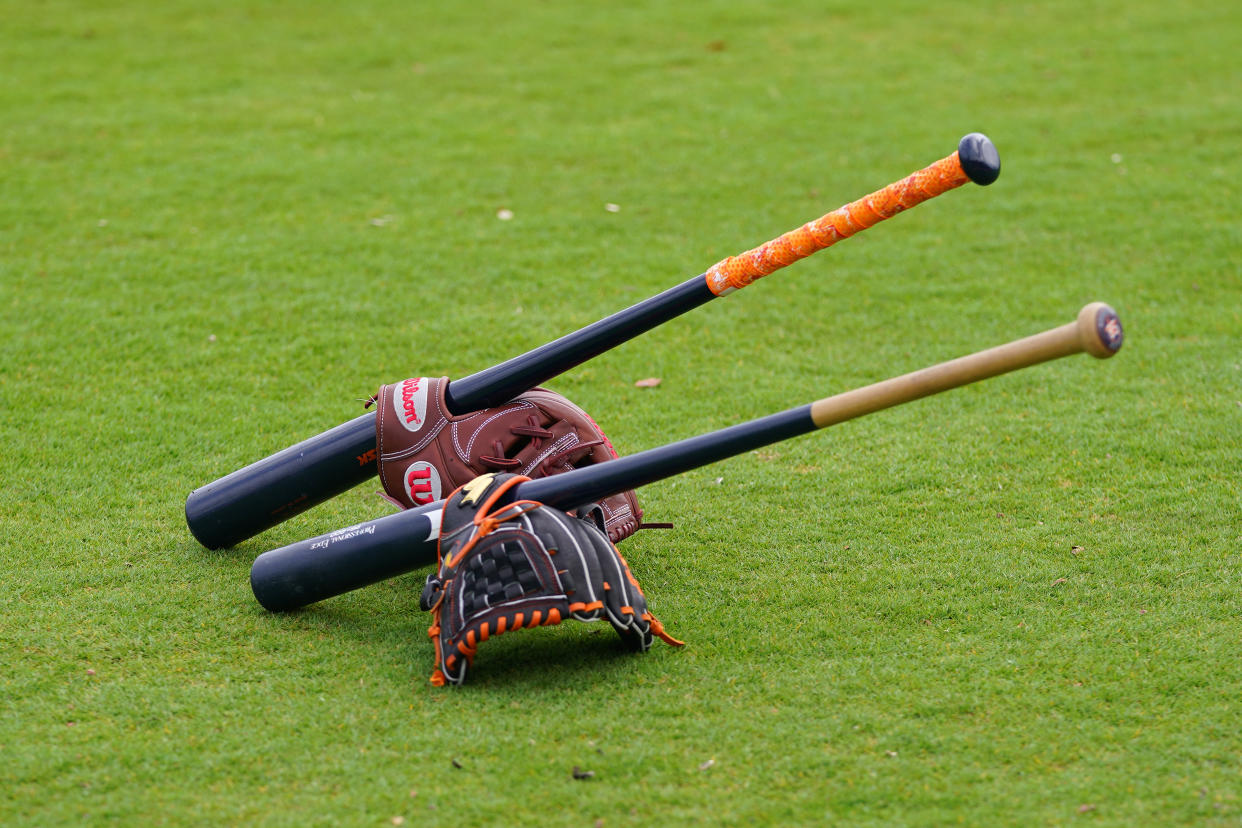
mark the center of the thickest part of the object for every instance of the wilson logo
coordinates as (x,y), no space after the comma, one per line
(410,403)
(422,483)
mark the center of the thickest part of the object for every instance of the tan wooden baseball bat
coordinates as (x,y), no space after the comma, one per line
(311,570)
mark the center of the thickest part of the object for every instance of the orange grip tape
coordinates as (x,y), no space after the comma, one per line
(737,272)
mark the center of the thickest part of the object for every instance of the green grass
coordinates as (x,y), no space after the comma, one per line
(1015,604)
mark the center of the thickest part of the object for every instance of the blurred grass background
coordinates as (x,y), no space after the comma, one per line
(1014,604)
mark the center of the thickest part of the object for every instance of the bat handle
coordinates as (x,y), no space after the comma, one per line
(976,160)
(1096,330)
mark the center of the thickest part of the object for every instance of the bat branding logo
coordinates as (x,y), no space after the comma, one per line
(410,404)
(1109,328)
(422,483)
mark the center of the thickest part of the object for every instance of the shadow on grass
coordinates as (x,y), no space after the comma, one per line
(582,656)
(232,557)
(555,658)
(385,618)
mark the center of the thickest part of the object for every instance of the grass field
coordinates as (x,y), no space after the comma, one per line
(1015,604)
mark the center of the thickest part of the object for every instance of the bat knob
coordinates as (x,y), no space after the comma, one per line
(979,158)
(1099,330)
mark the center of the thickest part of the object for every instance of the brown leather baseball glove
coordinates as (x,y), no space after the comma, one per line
(425,452)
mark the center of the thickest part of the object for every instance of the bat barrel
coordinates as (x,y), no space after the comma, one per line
(347,559)
(263,494)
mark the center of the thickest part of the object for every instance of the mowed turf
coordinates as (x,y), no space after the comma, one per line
(1014,604)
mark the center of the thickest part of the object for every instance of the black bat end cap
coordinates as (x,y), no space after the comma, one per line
(979,158)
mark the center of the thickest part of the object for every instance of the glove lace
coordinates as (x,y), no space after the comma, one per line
(537,434)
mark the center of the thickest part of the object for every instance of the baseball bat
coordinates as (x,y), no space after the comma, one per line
(263,494)
(312,570)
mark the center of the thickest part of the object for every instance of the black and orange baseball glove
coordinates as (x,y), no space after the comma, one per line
(506,565)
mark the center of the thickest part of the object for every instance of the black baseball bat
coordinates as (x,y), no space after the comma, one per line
(312,570)
(265,493)
(274,489)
